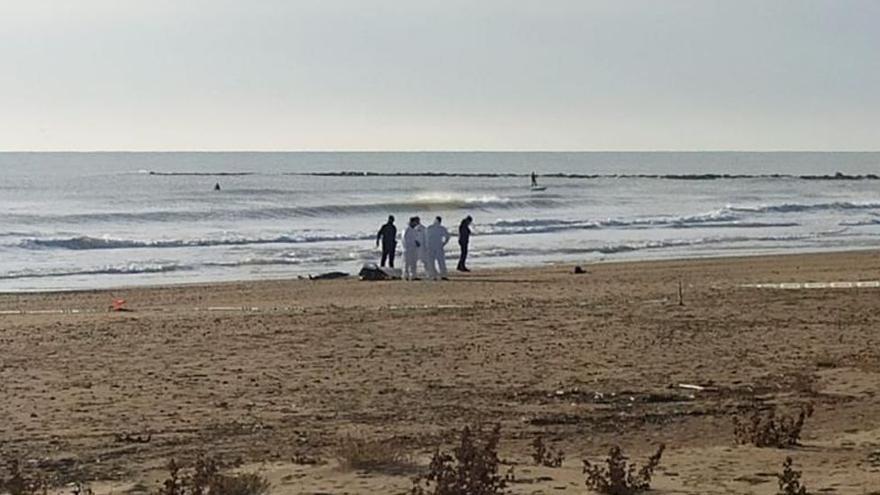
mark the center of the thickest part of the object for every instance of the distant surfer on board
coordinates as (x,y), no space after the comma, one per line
(217,186)
(535,186)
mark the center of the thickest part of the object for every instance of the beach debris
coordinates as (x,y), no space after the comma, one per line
(578,270)
(130,438)
(304,459)
(698,388)
(118,305)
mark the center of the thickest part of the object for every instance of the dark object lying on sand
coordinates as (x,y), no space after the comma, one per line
(374,272)
(578,270)
(328,276)
(129,438)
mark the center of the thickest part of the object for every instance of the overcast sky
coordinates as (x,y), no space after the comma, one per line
(439,75)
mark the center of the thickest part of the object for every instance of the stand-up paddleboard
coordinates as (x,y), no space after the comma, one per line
(538,188)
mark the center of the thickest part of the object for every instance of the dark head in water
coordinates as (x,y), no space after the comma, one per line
(217,186)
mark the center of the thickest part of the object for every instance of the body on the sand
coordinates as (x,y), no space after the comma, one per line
(387,237)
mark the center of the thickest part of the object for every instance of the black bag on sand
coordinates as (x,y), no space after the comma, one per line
(374,272)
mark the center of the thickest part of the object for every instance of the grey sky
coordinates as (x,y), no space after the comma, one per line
(450,74)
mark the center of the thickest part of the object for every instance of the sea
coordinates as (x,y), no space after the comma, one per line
(104,220)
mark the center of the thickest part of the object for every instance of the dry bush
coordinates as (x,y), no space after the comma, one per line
(620,477)
(545,455)
(371,455)
(81,488)
(206,478)
(771,430)
(790,480)
(17,482)
(471,468)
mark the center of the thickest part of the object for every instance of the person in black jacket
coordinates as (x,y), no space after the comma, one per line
(464,238)
(388,237)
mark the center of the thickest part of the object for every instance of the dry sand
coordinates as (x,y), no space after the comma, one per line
(587,361)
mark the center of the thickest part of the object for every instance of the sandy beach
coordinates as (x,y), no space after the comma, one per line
(267,372)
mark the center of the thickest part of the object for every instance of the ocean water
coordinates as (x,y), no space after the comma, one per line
(93,220)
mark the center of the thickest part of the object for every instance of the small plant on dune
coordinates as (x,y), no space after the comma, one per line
(81,488)
(206,478)
(771,430)
(790,480)
(18,483)
(364,454)
(621,477)
(471,468)
(545,455)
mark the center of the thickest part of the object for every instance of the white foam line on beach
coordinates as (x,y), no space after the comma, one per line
(869,284)
(12,312)
(426,306)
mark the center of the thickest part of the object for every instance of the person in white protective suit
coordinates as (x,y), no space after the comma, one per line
(437,237)
(413,248)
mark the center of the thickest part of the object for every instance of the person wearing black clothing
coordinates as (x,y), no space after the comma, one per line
(464,238)
(388,237)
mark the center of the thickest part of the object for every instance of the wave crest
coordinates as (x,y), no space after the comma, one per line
(126,269)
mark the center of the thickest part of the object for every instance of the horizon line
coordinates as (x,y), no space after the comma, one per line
(414,151)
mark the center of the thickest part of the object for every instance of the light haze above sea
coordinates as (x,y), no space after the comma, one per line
(93,220)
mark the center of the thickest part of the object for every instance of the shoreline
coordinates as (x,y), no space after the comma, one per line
(549,265)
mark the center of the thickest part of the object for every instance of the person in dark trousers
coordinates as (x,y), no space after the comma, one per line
(464,238)
(388,237)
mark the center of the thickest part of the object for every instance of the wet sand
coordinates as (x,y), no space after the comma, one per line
(262,372)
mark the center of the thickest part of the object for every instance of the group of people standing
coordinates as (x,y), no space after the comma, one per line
(425,244)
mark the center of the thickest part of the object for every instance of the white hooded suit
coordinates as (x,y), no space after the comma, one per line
(437,237)
(413,250)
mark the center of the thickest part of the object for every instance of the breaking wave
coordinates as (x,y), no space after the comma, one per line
(800,207)
(625,247)
(717,219)
(126,269)
(433,202)
(84,243)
